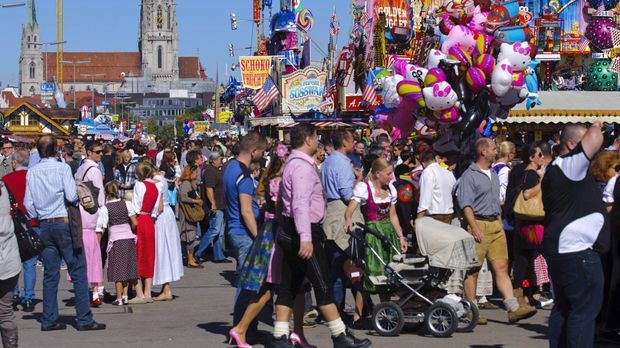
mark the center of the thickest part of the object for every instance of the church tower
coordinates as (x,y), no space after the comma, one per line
(159,40)
(30,59)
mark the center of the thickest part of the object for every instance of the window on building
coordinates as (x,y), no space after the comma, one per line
(28,41)
(169,15)
(88,88)
(160,57)
(160,17)
(32,91)
(35,38)
(32,70)
(32,121)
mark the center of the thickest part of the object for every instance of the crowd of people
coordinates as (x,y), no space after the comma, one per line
(285,210)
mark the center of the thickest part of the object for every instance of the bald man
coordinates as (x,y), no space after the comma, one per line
(478,196)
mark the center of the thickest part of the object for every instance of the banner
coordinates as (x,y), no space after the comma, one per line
(201,126)
(224,116)
(256,11)
(354,102)
(254,71)
(303,90)
(398,18)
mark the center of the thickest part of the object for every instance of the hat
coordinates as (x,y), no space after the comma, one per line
(214,155)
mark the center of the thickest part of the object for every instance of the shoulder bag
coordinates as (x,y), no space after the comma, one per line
(193,212)
(29,242)
(530,209)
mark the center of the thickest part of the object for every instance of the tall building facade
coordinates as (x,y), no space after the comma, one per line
(159,39)
(30,58)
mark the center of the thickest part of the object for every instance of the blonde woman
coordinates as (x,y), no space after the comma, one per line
(377,198)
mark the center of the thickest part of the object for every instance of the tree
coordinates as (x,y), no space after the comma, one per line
(194,113)
(151,126)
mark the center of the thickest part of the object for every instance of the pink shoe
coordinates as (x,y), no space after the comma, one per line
(297,342)
(235,336)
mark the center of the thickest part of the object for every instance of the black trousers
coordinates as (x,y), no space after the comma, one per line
(296,269)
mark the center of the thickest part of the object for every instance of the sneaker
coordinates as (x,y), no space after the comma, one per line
(523,312)
(481,319)
(487,305)
(118,302)
(313,313)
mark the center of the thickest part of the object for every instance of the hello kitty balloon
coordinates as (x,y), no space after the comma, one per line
(462,36)
(518,54)
(434,57)
(501,79)
(440,96)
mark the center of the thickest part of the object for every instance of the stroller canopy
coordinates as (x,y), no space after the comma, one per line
(446,246)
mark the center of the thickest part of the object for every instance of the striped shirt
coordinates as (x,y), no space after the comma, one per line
(48,184)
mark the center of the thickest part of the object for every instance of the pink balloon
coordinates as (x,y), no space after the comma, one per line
(486,63)
(403,118)
(451,115)
(460,35)
(476,79)
(435,75)
(458,53)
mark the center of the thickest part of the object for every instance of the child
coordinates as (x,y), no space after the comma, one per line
(116,215)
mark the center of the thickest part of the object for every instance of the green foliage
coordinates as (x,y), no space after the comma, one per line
(194,113)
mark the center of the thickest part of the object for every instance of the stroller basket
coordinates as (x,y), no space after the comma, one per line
(446,246)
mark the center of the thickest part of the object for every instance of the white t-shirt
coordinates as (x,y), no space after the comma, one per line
(608,193)
(487,172)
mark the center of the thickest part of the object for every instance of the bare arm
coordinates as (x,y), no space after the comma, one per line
(211,197)
(471,221)
(348,214)
(593,140)
(399,231)
(247,213)
(529,193)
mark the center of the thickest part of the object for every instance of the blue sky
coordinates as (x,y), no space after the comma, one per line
(112,25)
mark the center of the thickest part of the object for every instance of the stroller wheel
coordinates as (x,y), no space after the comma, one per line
(388,319)
(469,320)
(441,320)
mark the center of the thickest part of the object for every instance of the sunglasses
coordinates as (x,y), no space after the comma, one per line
(98,152)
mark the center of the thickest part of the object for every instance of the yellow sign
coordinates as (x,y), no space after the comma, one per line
(254,71)
(224,116)
(201,126)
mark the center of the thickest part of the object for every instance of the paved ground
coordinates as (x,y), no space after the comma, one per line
(200,317)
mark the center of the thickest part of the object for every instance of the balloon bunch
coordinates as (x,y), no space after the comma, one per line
(479,70)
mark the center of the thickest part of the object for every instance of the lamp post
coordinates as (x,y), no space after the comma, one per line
(48,44)
(74,63)
(93,112)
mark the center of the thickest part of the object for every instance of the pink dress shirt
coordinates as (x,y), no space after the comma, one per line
(302,193)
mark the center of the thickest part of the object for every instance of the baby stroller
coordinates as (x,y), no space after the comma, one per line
(416,279)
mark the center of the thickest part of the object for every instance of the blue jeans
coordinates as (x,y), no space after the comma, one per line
(214,234)
(57,244)
(30,276)
(242,241)
(578,284)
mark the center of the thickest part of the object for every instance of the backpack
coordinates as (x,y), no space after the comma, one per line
(88,194)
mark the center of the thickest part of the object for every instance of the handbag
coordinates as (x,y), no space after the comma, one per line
(354,266)
(193,212)
(28,241)
(530,209)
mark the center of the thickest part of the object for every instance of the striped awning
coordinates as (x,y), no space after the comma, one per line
(320,124)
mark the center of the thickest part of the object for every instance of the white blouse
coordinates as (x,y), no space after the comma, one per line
(360,194)
(104,215)
(138,195)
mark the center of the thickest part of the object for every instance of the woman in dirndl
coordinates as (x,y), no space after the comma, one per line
(145,199)
(377,197)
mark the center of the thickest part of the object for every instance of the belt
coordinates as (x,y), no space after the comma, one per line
(57,219)
(486,217)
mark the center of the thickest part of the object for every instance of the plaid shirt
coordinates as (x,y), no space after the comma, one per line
(125,176)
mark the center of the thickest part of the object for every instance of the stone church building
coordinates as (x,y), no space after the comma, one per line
(155,68)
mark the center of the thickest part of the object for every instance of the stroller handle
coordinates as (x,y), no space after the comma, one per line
(384,240)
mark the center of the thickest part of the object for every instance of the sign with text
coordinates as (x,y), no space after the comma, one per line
(354,103)
(254,71)
(397,16)
(303,90)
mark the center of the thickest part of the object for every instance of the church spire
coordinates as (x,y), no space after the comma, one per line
(31,15)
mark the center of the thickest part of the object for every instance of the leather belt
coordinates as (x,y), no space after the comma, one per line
(56,219)
(486,218)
